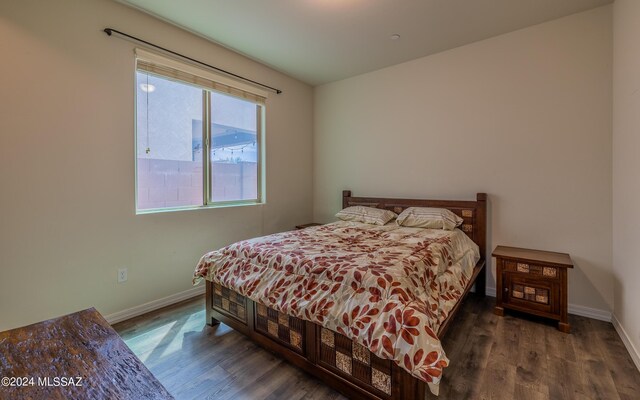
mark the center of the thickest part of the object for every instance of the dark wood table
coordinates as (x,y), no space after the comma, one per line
(78,356)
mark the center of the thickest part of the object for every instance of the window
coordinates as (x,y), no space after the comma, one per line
(198,140)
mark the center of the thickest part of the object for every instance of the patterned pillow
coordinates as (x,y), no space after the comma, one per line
(427,217)
(368,215)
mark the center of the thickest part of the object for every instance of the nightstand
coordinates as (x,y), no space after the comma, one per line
(532,281)
(303,226)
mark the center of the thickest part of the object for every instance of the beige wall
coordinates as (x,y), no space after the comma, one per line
(66,105)
(626,167)
(525,117)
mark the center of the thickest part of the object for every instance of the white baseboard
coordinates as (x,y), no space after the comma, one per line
(595,313)
(154,305)
(635,354)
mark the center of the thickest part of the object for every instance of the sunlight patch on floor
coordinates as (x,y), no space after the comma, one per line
(166,338)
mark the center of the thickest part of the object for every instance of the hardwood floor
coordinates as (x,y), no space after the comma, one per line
(511,357)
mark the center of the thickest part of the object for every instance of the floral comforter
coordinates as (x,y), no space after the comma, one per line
(387,287)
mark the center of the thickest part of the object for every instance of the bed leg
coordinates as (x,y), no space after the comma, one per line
(208,305)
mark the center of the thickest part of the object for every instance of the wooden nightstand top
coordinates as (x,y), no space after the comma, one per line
(303,226)
(540,256)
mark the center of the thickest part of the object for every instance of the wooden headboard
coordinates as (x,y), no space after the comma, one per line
(474,213)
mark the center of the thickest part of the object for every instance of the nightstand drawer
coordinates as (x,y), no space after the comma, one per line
(534,294)
(543,271)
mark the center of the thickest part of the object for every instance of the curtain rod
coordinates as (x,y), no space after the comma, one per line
(110,31)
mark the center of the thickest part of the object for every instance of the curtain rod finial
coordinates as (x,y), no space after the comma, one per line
(107,31)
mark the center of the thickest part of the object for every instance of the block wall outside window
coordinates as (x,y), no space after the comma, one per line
(179,162)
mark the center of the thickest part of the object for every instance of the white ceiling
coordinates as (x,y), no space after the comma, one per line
(320,41)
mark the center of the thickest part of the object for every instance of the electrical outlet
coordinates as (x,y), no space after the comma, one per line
(122,275)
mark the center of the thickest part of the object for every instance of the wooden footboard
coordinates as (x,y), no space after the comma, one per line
(337,360)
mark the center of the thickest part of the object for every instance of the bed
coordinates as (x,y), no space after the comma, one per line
(335,300)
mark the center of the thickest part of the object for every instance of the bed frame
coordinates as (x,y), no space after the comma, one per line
(335,359)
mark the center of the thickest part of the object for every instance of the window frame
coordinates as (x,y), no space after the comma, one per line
(207,187)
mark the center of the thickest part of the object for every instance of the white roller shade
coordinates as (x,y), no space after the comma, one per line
(172,69)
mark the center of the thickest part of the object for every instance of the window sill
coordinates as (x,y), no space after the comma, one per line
(192,208)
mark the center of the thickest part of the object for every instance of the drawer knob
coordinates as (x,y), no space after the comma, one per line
(506,289)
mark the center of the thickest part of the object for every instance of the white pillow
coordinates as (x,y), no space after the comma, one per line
(427,217)
(368,215)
